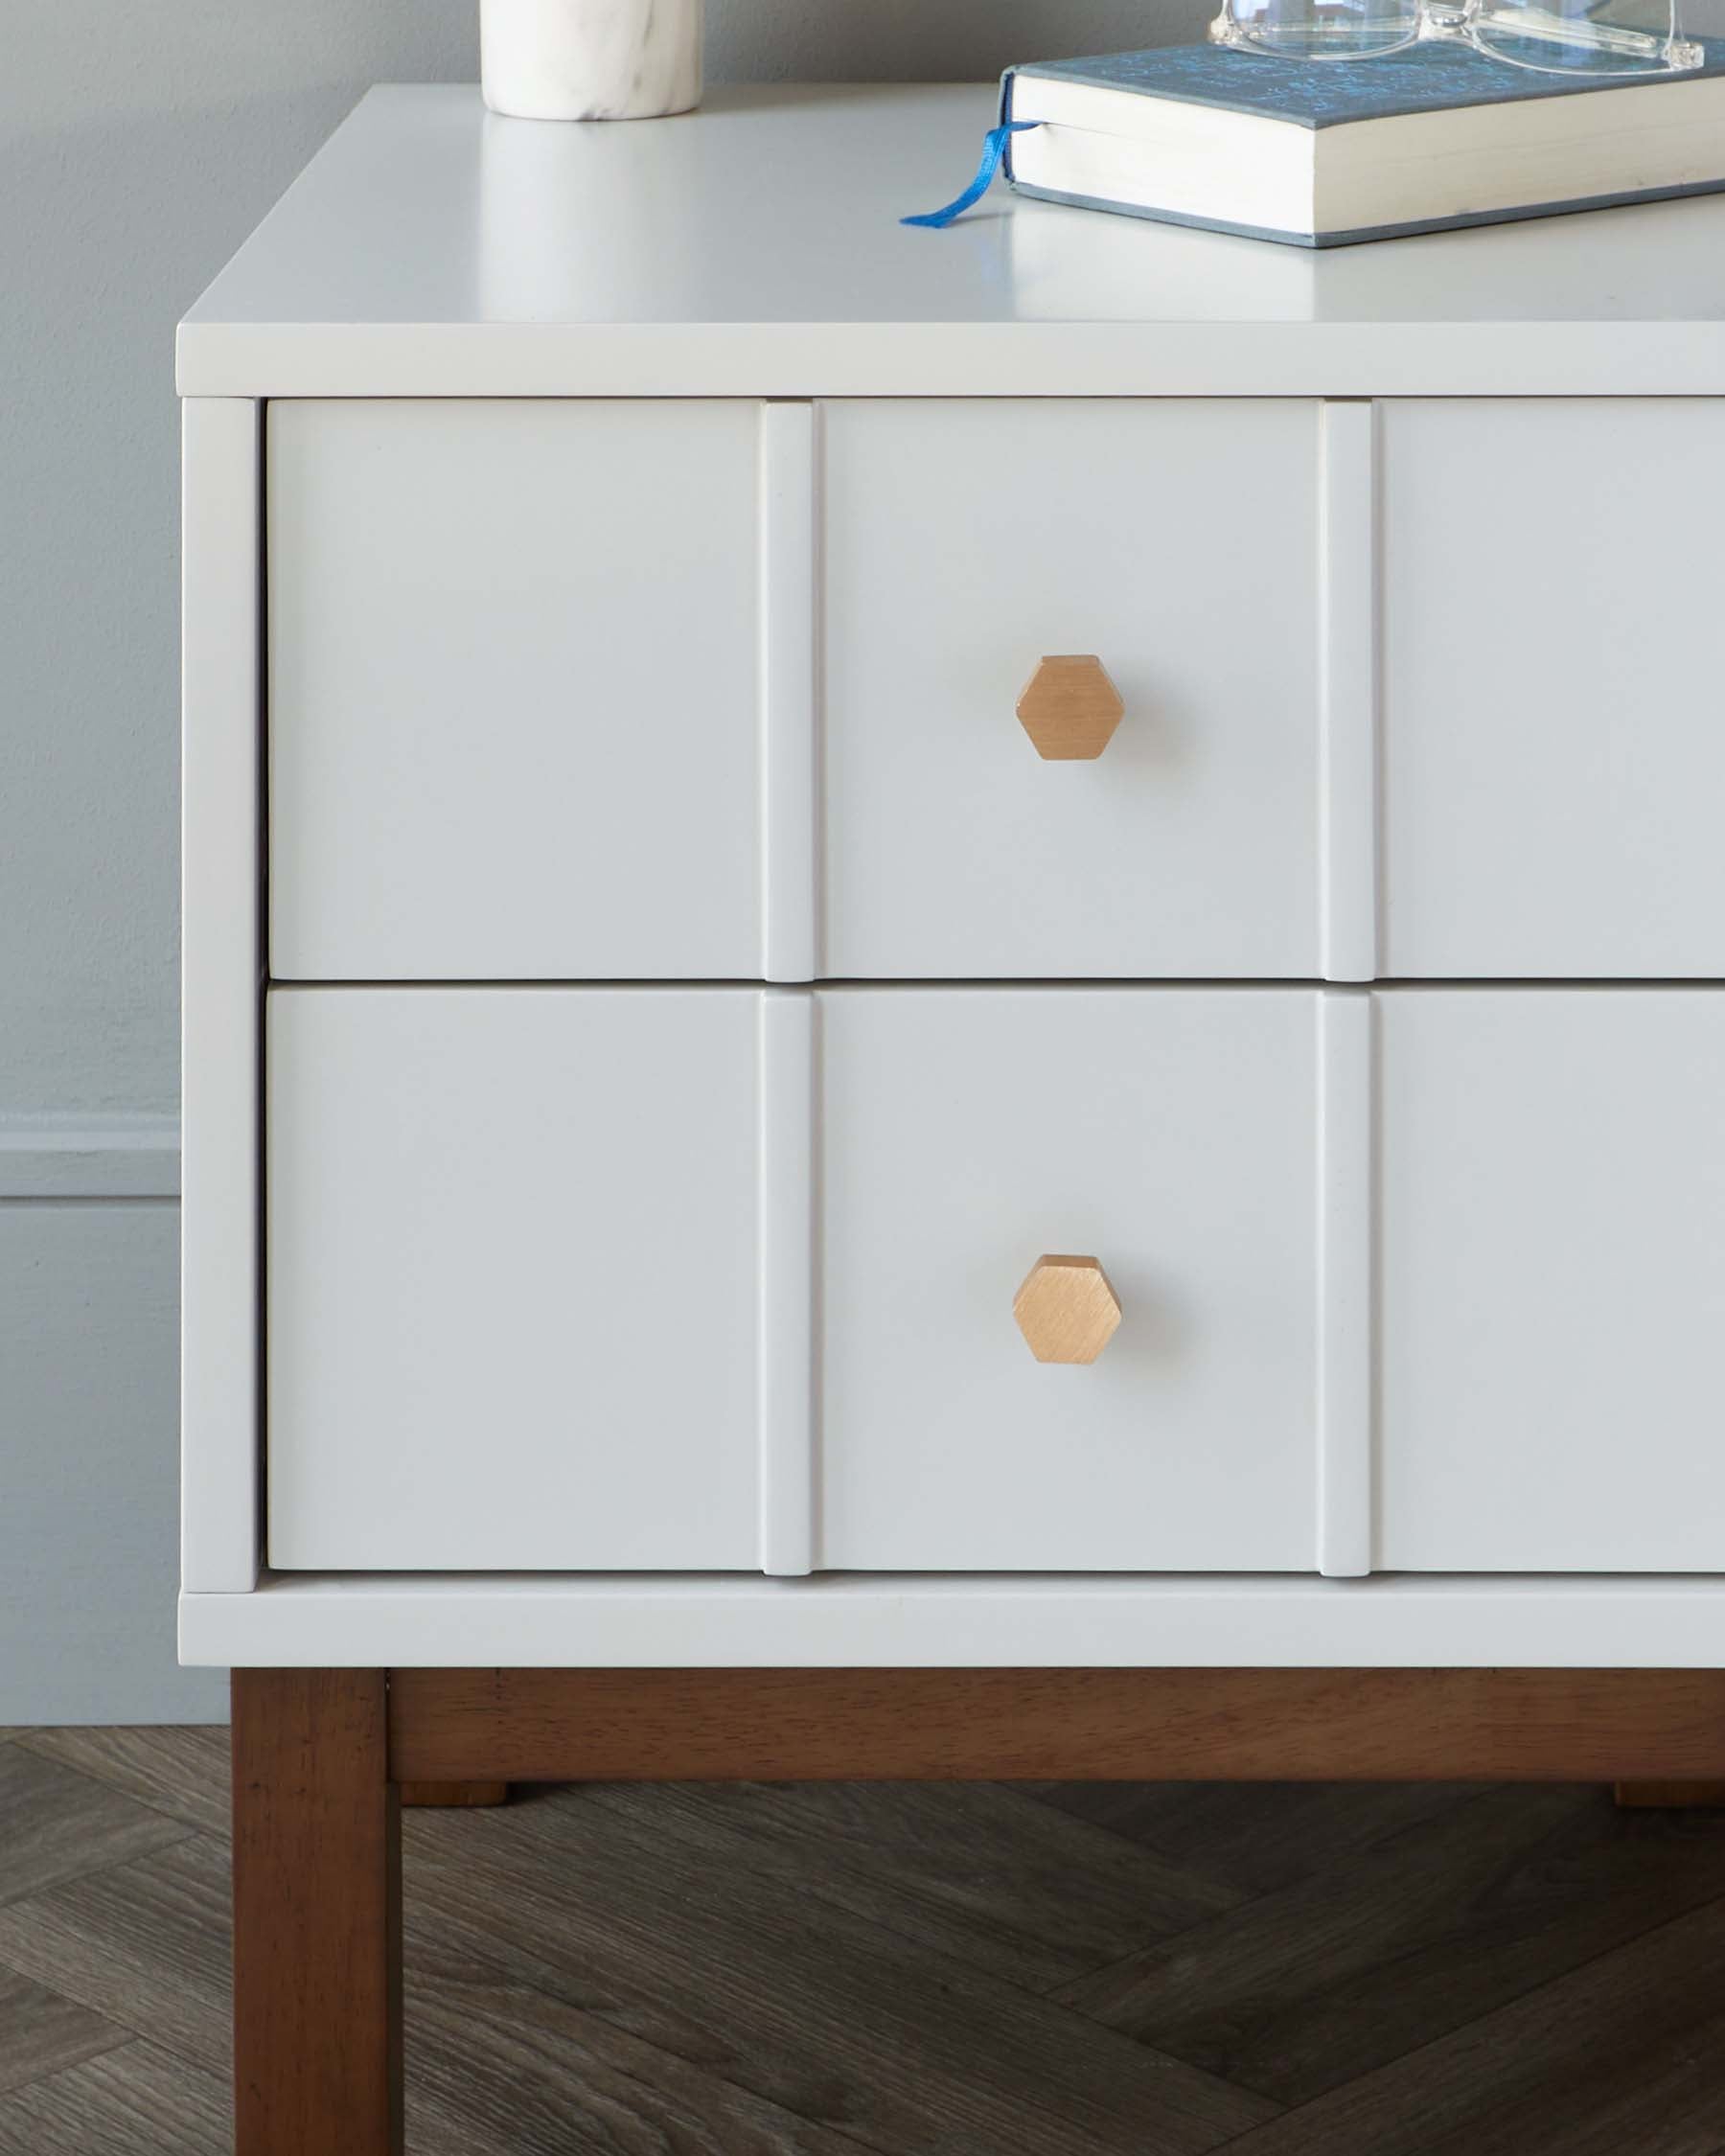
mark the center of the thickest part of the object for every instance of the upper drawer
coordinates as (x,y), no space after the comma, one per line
(1175,541)
(1554,731)
(570,690)
(550,695)
(512,690)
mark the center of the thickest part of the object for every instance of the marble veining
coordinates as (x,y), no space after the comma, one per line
(591,59)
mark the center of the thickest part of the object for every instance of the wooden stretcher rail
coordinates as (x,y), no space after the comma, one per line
(1130,1724)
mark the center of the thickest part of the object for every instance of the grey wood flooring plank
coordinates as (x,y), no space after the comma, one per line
(1301,1991)
(41,2031)
(808,2006)
(135,2101)
(496,2068)
(1254,1838)
(182,1772)
(144,1944)
(1623,2057)
(977,1871)
(148,1944)
(492,2064)
(632,1971)
(59,1824)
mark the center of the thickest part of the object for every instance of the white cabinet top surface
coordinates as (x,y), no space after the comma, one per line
(754,248)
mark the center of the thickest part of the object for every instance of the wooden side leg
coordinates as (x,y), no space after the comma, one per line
(317,1917)
(446,1795)
(1669,1795)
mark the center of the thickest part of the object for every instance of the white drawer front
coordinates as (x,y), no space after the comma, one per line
(1168,1134)
(718,1278)
(513,698)
(1552,1294)
(521,724)
(1553,726)
(511,1296)
(1177,542)
(608,1279)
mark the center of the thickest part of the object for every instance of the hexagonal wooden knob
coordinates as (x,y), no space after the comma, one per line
(1070,709)
(1067,1309)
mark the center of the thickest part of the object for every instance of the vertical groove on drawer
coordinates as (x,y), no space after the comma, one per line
(1348,693)
(787,541)
(786,1305)
(1347,1210)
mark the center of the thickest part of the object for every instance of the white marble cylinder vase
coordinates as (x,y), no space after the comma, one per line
(590,59)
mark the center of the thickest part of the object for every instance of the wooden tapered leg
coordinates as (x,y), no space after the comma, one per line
(466,1796)
(1669,1795)
(317,1915)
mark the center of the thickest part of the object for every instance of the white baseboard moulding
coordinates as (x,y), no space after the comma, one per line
(846,1620)
(63,1154)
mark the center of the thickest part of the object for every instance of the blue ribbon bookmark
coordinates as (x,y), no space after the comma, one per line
(994,148)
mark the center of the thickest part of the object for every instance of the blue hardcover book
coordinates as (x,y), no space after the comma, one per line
(1321,154)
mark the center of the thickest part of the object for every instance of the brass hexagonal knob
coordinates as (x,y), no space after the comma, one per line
(1070,709)
(1067,1309)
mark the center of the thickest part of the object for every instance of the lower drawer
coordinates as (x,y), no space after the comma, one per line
(1552,1280)
(721,1278)
(510,1303)
(703,1279)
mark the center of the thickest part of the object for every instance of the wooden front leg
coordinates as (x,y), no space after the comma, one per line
(317,1915)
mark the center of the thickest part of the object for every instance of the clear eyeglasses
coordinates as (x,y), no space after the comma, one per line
(1561,37)
(1583,36)
(1319,29)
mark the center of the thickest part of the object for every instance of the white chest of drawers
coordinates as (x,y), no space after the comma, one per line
(650,1004)
(744,1218)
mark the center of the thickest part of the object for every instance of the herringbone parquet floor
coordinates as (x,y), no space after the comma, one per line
(912,1971)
